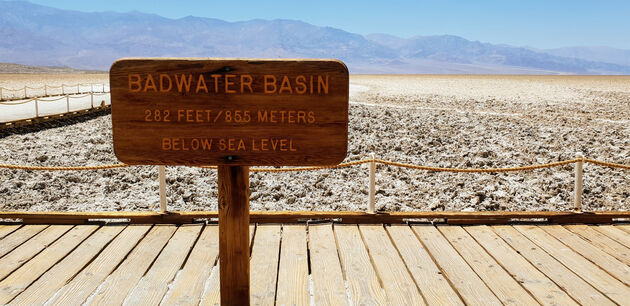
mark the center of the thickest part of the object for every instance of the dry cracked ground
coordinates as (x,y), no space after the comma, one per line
(446,121)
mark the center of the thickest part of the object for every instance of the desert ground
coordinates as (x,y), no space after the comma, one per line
(459,121)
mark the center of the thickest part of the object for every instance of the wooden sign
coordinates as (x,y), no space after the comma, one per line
(229,111)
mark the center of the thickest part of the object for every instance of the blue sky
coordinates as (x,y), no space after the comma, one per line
(534,23)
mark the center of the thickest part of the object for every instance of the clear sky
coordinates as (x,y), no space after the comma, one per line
(534,23)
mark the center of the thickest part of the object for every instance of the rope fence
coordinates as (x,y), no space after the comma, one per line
(67,97)
(579,161)
(73,89)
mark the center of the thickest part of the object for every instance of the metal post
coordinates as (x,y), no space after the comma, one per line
(62,90)
(91,87)
(578,183)
(36,109)
(103,87)
(45,90)
(372,200)
(78,89)
(24,92)
(0,93)
(68,102)
(162,176)
(92,98)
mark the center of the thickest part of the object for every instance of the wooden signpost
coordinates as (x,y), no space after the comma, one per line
(233,113)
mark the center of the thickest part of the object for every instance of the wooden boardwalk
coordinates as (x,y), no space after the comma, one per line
(334,264)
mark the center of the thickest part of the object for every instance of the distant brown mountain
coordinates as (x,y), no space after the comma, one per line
(38,35)
(17,68)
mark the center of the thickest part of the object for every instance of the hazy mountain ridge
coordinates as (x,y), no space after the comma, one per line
(38,35)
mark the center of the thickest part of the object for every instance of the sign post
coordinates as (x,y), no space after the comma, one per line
(233,113)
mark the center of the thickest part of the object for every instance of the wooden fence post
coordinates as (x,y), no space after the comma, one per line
(577,201)
(25,92)
(0,93)
(234,234)
(92,98)
(36,109)
(372,200)
(68,102)
(162,177)
(62,90)
(45,90)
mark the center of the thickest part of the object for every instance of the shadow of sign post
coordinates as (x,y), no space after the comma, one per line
(233,113)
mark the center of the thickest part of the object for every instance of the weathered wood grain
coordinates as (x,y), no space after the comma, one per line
(152,287)
(616,233)
(55,278)
(398,284)
(600,258)
(117,286)
(314,122)
(264,264)
(328,282)
(189,285)
(433,286)
(8,229)
(18,237)
(20,279)
(79,289)
(30,248)
(537,283)
(601,241)
(470,287)
(234,248)
(506,288)
(293,281)
(363,282)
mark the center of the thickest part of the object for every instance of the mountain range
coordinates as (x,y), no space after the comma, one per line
(38,35)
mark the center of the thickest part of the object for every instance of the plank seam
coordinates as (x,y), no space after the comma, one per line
(34,255)
(588,259)
(13,231)
(597,228)
(374,267)
(23,242)
(406,266)
(275,294)
(445,275)
(343,268)
(467,263)
(56,262)
(506,270)
(172,281)
(567,267)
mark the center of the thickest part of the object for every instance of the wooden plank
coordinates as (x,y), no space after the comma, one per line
(18,237)
(117,286)
(234,248)
(602,241)
(152,287)
(468,284)
(602,259)
(79,289)
(328,282)
(293,280)
(176,217)
(20,279)
(7,229)
(55,278)
(189,285)
(433,285)
(598,278)
(285,111)
(30,248)
(540,286)
(363,282)
(575,286)
(212,294)
(615,233)
(264,264)
(398,284)
(504,286)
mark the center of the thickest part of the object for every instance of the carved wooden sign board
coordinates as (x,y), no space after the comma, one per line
(229,111)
